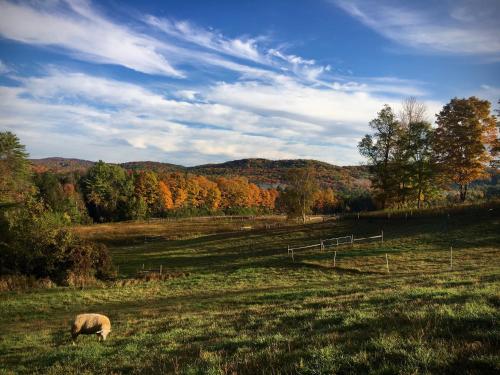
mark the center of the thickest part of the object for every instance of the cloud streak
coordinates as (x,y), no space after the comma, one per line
(85,34)
(459,27)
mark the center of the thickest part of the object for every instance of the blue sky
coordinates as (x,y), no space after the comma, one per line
(192,82)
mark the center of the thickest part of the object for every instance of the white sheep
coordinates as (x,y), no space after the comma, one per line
(89,324)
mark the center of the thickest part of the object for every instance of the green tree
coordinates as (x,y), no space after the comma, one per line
(108,192)
(300,193)
(465,135)
(15,172)
(419,166)
(147,190)
(51,190)
(38,245)
(380,150)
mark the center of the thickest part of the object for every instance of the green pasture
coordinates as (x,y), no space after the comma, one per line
(235,303)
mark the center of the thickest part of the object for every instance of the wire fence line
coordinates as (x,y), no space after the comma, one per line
(333,242)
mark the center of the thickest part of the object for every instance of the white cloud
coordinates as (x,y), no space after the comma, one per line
(281,119)
(85,34)
(4,68)
(459,27)
(239,47)
(351,109)
(244,48)
(490,93)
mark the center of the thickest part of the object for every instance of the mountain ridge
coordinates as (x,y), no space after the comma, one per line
(263,172)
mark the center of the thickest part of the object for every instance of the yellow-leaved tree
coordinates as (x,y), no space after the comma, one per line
(463,141)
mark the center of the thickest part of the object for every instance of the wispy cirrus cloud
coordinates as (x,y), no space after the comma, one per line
(81,31)
(76,28)
(460,27)
(245,48)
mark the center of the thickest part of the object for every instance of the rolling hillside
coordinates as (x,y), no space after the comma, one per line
(263,172)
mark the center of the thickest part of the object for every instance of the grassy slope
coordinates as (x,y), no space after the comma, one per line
(242,306)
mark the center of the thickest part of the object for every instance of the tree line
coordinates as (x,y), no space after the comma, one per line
(411,162)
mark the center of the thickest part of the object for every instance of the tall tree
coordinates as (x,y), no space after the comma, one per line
(465,134)
(380,150)
(495,149)
(420,163)
(300,192)
(166,201)
(108,191)
(15,170)
(147,189)
(412,111)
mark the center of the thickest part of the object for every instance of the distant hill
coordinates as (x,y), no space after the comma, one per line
(62,165)
(152,166)
(272,172)
(264,172)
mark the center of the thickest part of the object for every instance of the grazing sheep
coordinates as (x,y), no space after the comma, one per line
(88,324)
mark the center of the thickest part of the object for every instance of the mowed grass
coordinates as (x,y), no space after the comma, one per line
(237,304)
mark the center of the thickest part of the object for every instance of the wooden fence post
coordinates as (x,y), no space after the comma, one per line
(352,240)
(293,259)
(322,246)
(382,234)
(387,262)
(161,268)
(334,258)
(288,250)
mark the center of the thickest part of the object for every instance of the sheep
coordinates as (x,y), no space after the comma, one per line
(88,324)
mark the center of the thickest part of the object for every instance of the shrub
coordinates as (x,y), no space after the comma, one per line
(22,282)
(37,245)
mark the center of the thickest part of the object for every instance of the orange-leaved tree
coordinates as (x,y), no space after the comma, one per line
(166,200)
(463,139)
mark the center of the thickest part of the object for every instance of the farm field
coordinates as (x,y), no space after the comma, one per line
(235,303)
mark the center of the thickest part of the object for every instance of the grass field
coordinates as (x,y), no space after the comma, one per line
(234,303)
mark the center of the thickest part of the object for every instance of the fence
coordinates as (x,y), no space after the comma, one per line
(145,271)
(334,242)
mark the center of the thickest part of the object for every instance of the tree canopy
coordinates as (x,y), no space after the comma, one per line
(465,135)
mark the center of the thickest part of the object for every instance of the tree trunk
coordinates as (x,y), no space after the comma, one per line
(463,192)
(304,210)
(418,197)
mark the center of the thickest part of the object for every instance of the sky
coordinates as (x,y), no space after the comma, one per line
(193,82)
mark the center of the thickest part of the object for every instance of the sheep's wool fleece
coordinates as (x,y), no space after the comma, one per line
(91,323)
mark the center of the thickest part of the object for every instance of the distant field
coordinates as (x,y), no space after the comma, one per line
(172,229)
(235,303)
